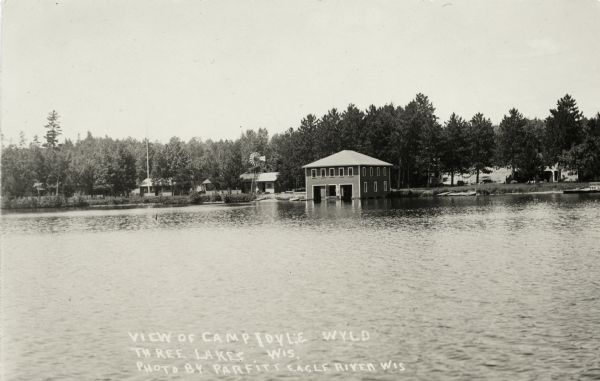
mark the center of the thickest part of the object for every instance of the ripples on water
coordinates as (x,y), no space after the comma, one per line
(503,288)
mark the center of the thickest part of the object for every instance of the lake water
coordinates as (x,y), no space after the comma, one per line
(503,288)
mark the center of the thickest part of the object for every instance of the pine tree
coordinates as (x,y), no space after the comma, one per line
(21,139)
(481,142)
(52,130)
(456,157)
(564,128)
(54,156)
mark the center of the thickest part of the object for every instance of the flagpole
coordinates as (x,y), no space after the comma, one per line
(147,161)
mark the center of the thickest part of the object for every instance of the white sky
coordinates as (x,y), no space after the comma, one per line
(213,68)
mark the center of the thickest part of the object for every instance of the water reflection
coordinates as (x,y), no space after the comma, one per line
(501,287)
(552,207)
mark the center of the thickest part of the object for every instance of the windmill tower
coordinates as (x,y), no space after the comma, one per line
(256,163)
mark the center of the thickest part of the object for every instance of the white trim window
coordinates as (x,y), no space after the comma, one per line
(323,172)
(374,186)
(341,172)
(350,171)
(371,171)
(365,187)
(378,173)
(331,172)
(313,173)
(364,171)
(384,171)
(385,186)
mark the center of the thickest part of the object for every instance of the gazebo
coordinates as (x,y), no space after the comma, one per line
(39,187)
(207,186)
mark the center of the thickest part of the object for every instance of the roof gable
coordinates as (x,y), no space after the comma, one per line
(346,157)
(262,177)
(148,182)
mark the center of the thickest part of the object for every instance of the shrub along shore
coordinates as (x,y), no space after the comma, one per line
(61,202)
(489,189)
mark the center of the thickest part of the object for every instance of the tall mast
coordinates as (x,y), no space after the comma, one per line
(147,165)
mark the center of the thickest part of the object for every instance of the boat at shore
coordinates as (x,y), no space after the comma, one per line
(465,193)
(592,188)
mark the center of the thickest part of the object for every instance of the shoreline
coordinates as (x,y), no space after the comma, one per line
(489,189)
(115,203)
(115,207)
(183,201)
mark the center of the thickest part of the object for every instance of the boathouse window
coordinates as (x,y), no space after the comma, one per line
(384,171)
(350,171)
(374,186)
(378,171)
(365,186)
(341,171)
(313,173)
(323,172)
(331,172)
(385,186)
(364,171)
(371,171)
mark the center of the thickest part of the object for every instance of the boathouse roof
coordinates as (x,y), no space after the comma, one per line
(346,157)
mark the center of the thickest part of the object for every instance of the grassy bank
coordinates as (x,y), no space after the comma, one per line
(58,202)
(488,189)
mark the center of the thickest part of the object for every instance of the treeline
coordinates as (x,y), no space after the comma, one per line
(102,165)
(411,137)
(421,148)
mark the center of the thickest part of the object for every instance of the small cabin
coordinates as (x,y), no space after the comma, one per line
(266,182)
(149,188)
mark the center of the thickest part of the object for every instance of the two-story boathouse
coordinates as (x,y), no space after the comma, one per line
(347,175)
